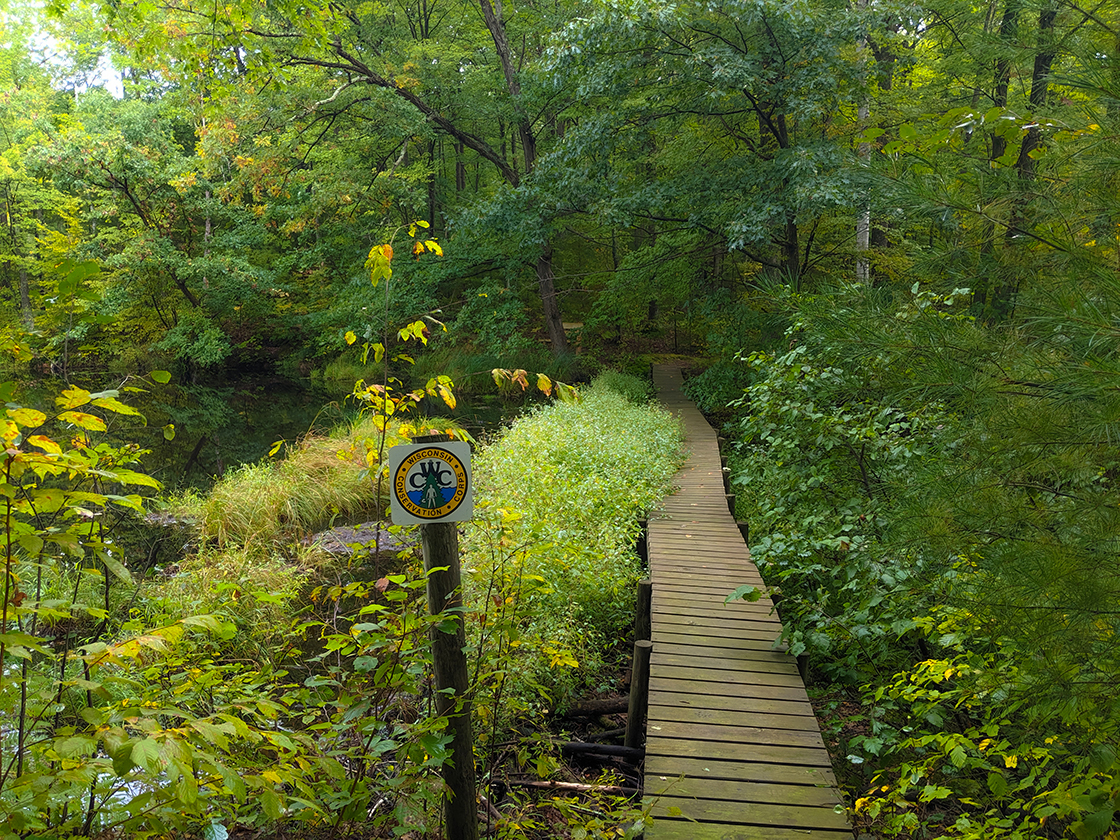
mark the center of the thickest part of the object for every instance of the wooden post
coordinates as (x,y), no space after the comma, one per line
(639,694)
(440,544)
(641,545)
(730,502)
(642,614)
(745,530)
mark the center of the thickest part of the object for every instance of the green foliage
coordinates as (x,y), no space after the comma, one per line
(822,454)
(549,557)
(494,319)
(635,390)
(933,531)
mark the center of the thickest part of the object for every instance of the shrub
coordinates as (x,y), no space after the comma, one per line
(549,557)
(633,388)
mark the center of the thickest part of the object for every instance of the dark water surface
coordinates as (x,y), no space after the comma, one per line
(218,428)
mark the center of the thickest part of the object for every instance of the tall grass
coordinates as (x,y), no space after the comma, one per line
(322,479)
(549,558)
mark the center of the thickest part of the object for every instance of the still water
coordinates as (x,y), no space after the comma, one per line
(218,428)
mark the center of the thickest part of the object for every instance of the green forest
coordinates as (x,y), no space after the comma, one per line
(883,238)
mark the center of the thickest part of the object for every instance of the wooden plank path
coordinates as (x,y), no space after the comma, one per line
(731,740)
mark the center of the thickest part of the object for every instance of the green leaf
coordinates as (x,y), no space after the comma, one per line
(746,592)
(1094,825)
(75,745)
(160,376)
(133,477)
(146,754)
(122,758)
(270,802)
(116,567)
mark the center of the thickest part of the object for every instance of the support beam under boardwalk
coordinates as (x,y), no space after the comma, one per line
(733,751)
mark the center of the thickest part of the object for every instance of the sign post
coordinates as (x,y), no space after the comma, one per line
(430,485)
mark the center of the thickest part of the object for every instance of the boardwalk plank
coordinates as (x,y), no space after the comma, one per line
(780,815)
(677,829)
(701,714)
(738,751)
(668,702)
(721,689)
(771,665)
(659,768)
(742,791)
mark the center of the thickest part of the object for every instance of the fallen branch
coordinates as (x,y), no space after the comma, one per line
(591,708)
(574,787)
(634,754)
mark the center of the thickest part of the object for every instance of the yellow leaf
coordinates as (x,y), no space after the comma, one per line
(83,420)
(113,404)
(434,247)
(350,337)
(275,448)
(9,431)
(544,384)
(45,443)
(27,416)
(72,397)
(1011,761)
(448,397)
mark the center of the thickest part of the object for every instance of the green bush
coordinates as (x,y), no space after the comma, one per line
(633,388)
(549,560)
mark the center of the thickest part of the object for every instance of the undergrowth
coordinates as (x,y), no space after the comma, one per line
(549,563)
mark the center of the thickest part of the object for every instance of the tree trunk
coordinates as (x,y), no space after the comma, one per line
(863,220)
(1003,297)
(26,312)
(986,292)
(545,276)
(791,255)
(1008,29)
(552,320)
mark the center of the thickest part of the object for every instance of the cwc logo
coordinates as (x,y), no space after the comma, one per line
(430,483)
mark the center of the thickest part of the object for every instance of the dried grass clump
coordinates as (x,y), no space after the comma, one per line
(322,479)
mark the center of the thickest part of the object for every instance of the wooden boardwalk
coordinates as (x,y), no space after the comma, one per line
(733,751)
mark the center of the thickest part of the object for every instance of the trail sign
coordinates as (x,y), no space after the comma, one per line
(430,482)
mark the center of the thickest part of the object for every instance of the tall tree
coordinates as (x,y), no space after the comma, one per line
(368,57)
(748,99)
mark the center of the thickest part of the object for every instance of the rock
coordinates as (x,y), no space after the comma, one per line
(372,536)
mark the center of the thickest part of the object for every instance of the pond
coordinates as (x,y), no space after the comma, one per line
(220,427)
